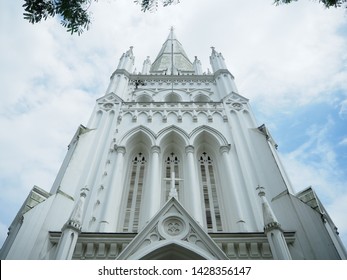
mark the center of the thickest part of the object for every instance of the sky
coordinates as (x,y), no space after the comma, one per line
(289,60)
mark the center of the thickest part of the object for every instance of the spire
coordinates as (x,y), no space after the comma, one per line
(172,59)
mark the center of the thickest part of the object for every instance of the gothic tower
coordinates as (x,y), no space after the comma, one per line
(172,165)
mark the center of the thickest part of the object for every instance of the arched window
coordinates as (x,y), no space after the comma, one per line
(144,98)
(172,163)
(133,199)
(202,98)
(208,182)
(172,97)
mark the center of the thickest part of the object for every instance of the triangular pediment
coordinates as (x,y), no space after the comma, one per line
(235,97)
(110,97)
(172,234)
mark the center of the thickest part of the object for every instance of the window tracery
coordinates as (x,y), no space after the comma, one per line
(172,163)
(210,196)
(133,199)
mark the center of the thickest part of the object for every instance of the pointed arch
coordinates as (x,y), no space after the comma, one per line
(172,141)
(173,134)
(207,142)
(207,170)
(209,135)
(248,119)
(138,142)
(138,134)
(155,237)
(96,119)
(142,117)
(134,193)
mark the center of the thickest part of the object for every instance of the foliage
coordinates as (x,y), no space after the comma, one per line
(75,17)
(74,14)
(327,3)
(150,5)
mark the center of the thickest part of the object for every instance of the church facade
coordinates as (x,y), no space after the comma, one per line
(172,165)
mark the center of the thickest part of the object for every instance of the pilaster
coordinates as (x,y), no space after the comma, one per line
(195,195)
(153,194)
(233,193)
(110,215)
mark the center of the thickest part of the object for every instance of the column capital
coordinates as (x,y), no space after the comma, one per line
(189,149)
(120,149)
(224,149)
(155,149)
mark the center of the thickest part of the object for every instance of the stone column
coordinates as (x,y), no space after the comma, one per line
(233,190)
(193,186)
(113,196)
(153,198)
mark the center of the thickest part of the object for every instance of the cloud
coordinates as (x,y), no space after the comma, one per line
(343,110)
(339,217)
(282,57)
(314,163)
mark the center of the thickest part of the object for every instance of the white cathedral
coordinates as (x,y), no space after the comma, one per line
(172,165)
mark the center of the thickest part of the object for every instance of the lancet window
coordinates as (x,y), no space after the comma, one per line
(172,164)
(134,195)
(208,182)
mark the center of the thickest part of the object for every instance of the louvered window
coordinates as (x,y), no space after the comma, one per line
(133,200)
(208,182)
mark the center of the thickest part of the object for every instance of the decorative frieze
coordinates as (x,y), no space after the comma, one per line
(234,245)
(208,109)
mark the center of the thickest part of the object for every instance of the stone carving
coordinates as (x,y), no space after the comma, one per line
(237,106)
(174,227)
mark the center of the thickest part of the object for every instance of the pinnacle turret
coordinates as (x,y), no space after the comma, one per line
(197,66)
(217,61)
(146,66)
(127,60)
(273,230)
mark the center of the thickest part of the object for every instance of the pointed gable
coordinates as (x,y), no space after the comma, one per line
(172,59)
(172,234)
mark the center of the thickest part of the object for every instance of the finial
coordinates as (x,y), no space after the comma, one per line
(261,191)
(84,191)
(171,28)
